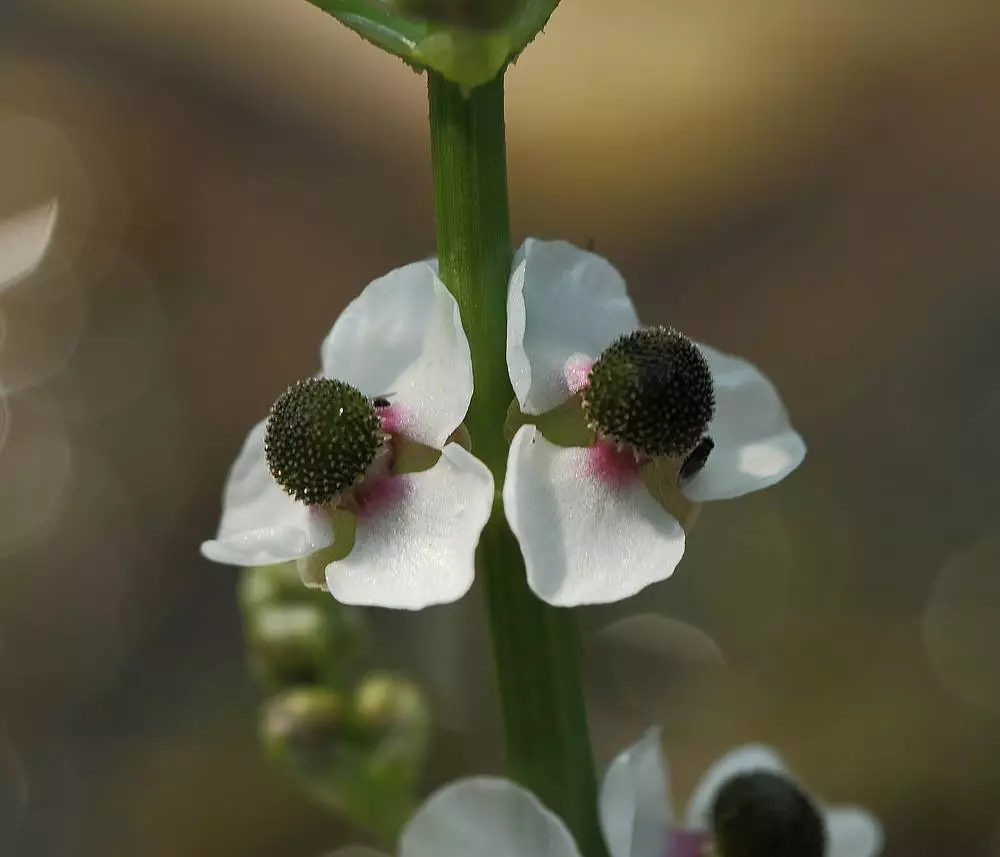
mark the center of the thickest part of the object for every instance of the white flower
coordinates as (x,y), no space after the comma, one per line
(637,814)
(415,533)
(589,527)
(498,818)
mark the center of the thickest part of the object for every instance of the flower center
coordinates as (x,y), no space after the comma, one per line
(762,814)
(651,390)
(321,438)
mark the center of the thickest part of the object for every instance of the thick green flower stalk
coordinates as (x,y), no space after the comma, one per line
(535,646)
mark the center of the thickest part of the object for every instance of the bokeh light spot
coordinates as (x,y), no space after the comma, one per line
(961,624)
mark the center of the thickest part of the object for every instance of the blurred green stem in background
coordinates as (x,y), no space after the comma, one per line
(536,647)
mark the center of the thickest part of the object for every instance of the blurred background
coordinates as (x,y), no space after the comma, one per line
(815,186)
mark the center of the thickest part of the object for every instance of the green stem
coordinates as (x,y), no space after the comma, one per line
(535,646)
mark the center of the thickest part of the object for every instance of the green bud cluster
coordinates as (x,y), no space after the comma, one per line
(297,636)
(321,437)
(360,754)
(353,741)
(764,814)
(651,391)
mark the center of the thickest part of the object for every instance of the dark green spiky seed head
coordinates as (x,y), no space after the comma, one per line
(763,814)
(651,390)
(321,437)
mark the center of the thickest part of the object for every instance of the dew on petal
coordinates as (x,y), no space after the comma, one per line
(762,460)
(375,499)
(578,372)
(393,419)
(961,625)
(612,466)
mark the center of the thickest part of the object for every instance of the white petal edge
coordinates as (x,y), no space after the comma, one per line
(419,548)
(485,816)
(24,239)
(562,302)
(261,524)
(755,444)
(852,832)
(402,337)
(752,757)
(584,539)
(635,804)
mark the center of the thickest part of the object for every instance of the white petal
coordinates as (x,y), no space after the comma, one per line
(402,337)
(853,832)
(635,805)
(416,543)
(261,524)
(755,444)
(24,238)
(586,538)
(753,757)
(562,303)
(488,817)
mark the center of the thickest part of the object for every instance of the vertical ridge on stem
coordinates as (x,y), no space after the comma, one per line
(535,646)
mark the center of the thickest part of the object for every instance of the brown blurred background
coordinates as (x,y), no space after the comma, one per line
(813,185)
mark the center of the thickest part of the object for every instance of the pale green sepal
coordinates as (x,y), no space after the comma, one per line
(467,56)
(374,22)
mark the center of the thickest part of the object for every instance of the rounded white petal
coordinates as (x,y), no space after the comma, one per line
(852,832)
(635,805)
(402,337)
(24,239)
(755,444)
(586,539)
(415,545)
(753,757)
(562,303)
(261,524)
(488,817)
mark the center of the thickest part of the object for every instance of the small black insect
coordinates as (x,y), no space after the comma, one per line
(380,402)
(696,460)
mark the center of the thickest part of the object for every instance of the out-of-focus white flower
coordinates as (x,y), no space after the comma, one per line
(624,423)
(747,803)
(383,530)
(24,239)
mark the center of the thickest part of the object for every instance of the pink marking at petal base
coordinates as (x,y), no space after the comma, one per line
(577,373)
(380,495)
(392,419)
(687,843)
(610,466)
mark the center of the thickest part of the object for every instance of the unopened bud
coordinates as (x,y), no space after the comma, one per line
(362,759)
(296,635)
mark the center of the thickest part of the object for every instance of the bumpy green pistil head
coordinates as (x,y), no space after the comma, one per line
(763,814)
(651,390)
(321,437)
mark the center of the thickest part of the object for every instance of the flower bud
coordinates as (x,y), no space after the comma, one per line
(469,42)
(363,759)
(296,635)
